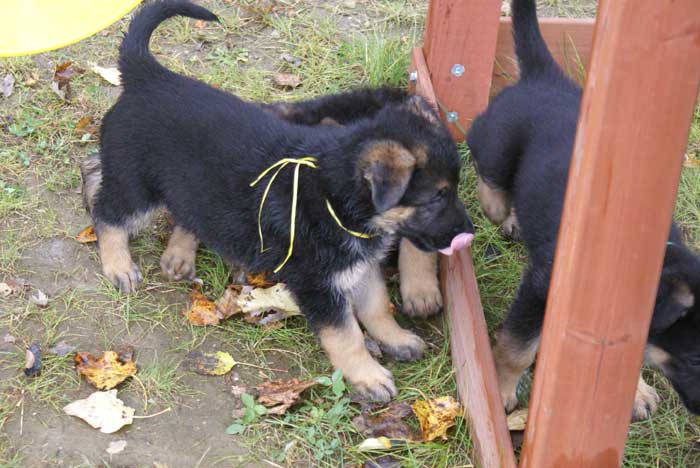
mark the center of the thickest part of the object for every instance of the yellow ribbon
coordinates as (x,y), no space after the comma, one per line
(281,164)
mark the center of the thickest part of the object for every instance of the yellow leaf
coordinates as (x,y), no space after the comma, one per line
(259,280)
(202,311)
(103,411)
(87,235)
(218,363)
(107,371)
(436,416)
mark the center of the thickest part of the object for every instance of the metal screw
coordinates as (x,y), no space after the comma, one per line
(457,70)
(452,116)
(413,76)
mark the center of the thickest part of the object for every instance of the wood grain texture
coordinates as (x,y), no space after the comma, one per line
(421,85)
(633,129)
(461,32)
(472,360)
(569,40)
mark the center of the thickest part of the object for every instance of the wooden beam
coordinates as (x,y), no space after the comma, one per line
(472,360)
(569,40)
(459,46)
(632,133)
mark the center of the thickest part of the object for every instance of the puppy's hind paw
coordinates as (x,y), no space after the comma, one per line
(646,401)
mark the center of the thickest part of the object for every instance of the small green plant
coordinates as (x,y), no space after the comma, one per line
(252,412)
(335,382)
(24,127)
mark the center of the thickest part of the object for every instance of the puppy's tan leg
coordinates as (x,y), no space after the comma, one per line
(420,287)
(512,357)
(117,265)
(371,305)
(345,346)
(494,202)
(646,400)
(178,259)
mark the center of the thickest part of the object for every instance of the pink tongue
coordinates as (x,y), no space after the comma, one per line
(460,242)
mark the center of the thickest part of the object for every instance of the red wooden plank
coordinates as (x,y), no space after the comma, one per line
(460,32)
(419,82)
(633,129)
(472,360)
(569,40)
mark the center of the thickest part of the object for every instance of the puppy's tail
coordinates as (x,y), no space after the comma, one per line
(135,60)
(534,57)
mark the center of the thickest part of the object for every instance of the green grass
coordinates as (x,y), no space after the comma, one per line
(39,156)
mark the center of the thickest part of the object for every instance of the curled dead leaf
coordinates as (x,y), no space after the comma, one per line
(227,305)
(103,411)
(39,299)
(279,395)
(286,80)
(32,361)
(218,363)
(62,76)
(107,371)
(111,75)
(87,235)
(7,85)
(259,280)
(436,416)
(12,286)
(386,422)
(86,126)
(202,311)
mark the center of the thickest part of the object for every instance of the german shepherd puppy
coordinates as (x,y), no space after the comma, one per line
(522,147)
(347,194)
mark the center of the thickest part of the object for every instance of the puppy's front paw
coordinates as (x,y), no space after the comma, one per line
(511,227)
(404,347)
(646,400)
(178,264)
(372,381)
(421,298)
(126,276)
(510,399)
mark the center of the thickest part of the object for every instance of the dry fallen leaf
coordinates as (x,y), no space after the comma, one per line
(39,299)
(103,411)
(436,416)
(7,85)
(32,80)
(259,280)
(32,361)
(286,80)
(87,235)
(386,422)
(255,302)
(61,349)
(200,24)
(227,305)
(517,420)
(62,75)
(380,443)
(107,371)
(86,126)
(111,75)
(202,311)
(218,363)
(691,160)
(14,286)
(279,395)
(116,446)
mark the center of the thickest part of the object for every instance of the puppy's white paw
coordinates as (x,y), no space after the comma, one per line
(646,401)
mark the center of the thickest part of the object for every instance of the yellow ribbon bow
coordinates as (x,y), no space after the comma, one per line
(279,165)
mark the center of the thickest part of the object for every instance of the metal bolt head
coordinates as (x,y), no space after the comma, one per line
(413,76)
(457,70)
(452,116)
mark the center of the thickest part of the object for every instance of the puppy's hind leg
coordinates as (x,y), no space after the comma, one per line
(178,260)
(371,305)
(420,287)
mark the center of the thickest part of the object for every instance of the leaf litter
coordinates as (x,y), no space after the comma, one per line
(7,85)
(102,410)
(436,416)
(111,75)
(32,361)
(62,76)
(279,395)
(107,371)
(218,363)
(87,235)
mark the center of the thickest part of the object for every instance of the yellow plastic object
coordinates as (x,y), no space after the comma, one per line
(33,26)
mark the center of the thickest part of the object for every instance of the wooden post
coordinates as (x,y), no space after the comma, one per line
(633,129)
(459,47)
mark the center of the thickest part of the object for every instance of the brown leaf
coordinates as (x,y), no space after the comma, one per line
(259,280)
(387,422)
(202,311)
(32,80)
(105,372)
(85,125)
(103,411)
(87,235)
(279,395)
(62,75)
(200,24)
(691,160)
(227,305)
(436,416)
(14,286)
(286,80)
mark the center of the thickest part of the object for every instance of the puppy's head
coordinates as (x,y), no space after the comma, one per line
(674,335)
(410,166)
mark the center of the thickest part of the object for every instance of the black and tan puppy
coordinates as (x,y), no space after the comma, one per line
(326,219)
(522,147)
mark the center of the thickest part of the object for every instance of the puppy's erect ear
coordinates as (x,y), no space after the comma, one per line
(388,166)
